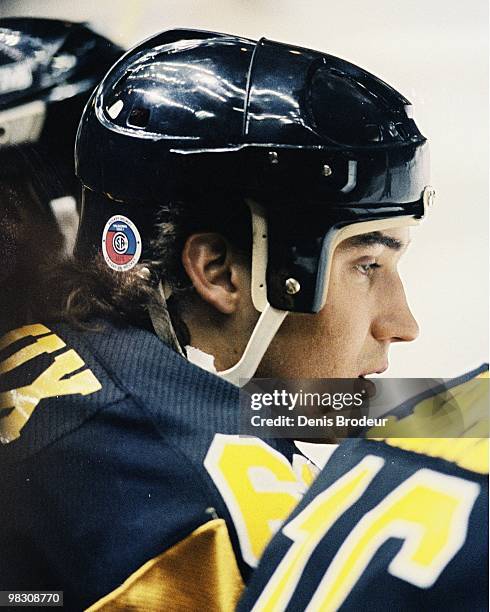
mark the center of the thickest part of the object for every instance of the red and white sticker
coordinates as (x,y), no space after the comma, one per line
(121,243)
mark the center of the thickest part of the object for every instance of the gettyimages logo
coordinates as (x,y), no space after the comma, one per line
(333,409)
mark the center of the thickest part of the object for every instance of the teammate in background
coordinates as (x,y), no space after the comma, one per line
(226,183)
(48,69)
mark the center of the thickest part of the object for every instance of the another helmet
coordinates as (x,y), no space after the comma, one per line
(48,68)
(321,148)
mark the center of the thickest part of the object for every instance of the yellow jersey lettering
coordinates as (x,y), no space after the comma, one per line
(53,382)
(46,344)
(22,332)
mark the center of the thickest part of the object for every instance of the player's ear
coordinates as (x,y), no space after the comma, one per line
(214,270)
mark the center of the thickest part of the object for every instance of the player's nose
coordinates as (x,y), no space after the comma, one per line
(395,321)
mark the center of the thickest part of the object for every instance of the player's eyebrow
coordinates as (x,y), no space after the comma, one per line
(374,238)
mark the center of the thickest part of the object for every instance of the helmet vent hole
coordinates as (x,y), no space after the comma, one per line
(139,117)
(372,133)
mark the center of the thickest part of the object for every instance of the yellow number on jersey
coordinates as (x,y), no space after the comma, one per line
(429,511)
(309,527)
(259,486)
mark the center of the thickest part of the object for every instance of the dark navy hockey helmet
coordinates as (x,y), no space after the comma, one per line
(315,143)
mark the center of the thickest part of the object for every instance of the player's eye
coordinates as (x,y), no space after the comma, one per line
(367,269)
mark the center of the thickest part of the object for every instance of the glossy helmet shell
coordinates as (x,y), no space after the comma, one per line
(319,142)
(48,69)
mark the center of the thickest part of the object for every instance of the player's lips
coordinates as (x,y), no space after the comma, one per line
(368,385)
(378,370)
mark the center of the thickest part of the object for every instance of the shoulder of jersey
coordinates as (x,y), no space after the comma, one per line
(53,378)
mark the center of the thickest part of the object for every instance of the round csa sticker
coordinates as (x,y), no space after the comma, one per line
(121,243)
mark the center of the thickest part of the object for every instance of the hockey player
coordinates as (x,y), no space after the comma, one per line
(48,69)
(226,183)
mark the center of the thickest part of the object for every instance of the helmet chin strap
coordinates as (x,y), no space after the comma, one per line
(271,318)
(161,321)
(265,329)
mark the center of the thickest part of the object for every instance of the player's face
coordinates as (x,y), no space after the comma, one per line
(365,311)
